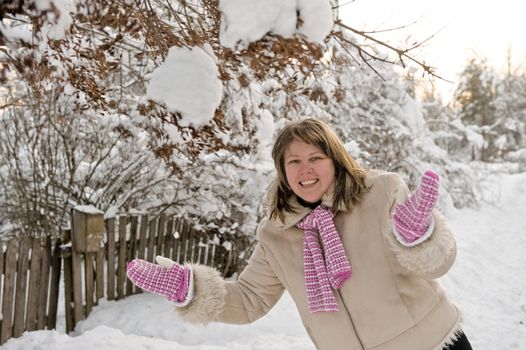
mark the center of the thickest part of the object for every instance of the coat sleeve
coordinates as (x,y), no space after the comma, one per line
(429,259)
(243,301)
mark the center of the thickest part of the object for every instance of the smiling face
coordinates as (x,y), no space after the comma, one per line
(309,171)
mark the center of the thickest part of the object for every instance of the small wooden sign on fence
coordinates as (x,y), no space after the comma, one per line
(88,228)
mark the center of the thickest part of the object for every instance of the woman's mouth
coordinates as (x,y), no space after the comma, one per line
(308,182)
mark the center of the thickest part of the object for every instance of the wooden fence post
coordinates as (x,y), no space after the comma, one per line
(88,229)
(86,236)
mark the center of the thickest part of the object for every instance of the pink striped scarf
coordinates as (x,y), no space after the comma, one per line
(323,272)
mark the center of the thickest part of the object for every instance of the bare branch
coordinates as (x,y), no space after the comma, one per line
(402,54)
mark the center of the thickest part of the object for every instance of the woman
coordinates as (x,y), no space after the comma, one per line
(356,252)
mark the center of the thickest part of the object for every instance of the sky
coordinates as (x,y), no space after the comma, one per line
(462,27)
(487,281)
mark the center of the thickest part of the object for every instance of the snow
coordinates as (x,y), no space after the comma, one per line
(317,19)
(187,82)
(353,148)
(246,21)
(487,281)
(58,17)
(491,265)
(16,33)
(265,131)
(111,212)
(412,112)
(88,209)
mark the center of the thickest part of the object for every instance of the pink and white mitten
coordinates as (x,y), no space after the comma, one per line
(169,279)
(413,221)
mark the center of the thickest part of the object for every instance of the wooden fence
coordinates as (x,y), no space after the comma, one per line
(94,265)
(90,276)
(30,274)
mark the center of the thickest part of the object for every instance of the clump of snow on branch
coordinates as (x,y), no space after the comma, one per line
(246,21)
(187,82)
(317,19)
(11,33)
(58,18)
(265,129)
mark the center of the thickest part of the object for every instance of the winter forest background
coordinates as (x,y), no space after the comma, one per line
(172,106)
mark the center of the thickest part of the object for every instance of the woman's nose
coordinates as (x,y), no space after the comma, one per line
(305,168)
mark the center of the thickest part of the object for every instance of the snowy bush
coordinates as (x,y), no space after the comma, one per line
(109,120)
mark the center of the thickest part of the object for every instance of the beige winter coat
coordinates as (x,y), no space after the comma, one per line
(390,302)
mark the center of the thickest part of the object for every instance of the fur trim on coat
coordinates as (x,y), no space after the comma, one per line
(431,258)
(209,296)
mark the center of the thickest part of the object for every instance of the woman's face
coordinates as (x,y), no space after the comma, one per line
(309,171)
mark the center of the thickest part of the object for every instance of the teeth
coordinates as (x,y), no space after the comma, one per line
(310,182)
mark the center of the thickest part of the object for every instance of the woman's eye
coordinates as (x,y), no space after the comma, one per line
(315,159)
(294,161)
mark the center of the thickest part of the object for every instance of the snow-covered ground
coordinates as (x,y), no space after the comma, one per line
(488,281)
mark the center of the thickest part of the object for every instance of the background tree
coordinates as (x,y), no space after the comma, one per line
(475,93)
(510,107)
(492,105)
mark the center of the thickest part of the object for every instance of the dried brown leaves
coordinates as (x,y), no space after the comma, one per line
(112,45)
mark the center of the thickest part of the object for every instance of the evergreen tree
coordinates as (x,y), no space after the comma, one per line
(510,107)
(475,93)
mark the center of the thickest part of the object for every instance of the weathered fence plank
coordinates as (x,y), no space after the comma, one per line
(21,286)
(68,291)
(1,271)
(177,240)
(203,248)
(142,237)
(56,265)
(160,235)
(34,284)
(78,305)
(168,238)
(151,239)
(183,256)
(44,283)
(192,245)
(99,275)
(131,251)
(143,241)
(211,251)
(88,280)
(121,271)
(110,233)
(9,291)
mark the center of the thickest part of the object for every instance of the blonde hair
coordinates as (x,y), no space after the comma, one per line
(350,177)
